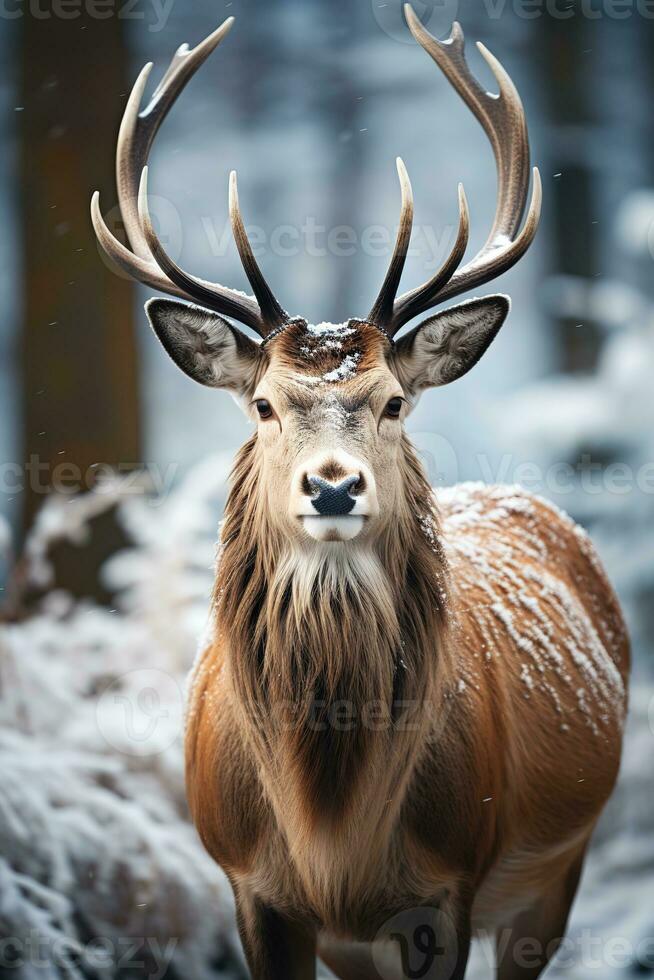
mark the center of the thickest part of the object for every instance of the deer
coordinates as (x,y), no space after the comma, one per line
(406,716)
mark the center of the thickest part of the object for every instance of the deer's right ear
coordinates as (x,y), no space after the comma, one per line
(205,346)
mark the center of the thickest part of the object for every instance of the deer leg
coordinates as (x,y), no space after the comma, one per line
(354,961)
(276,947)
(536,934)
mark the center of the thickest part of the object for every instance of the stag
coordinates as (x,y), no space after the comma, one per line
(407,715)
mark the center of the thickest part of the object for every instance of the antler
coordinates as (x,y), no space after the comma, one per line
(147,261)
(503,119)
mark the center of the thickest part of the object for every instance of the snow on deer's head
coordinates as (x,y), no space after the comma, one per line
(329,401)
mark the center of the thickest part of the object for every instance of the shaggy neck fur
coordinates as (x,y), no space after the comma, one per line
(328,645)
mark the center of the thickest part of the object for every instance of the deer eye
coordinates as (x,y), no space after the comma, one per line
(263,408)
(394,408)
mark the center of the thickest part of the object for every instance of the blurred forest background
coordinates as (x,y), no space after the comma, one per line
(105,591)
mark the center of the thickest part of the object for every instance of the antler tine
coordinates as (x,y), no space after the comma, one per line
(136,267)
(383,308)
(148,261)
(150,274)
(494,259)
(501,116)
(503,120)
(140,126)
(424,297)
(210,294)
(271,312)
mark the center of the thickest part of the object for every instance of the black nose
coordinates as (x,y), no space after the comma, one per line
(332,499)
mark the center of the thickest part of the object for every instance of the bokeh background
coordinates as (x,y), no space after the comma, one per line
(113,465)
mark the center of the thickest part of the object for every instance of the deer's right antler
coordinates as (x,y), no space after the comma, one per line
(147,261)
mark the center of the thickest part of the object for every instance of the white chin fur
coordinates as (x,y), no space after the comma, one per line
(333,528)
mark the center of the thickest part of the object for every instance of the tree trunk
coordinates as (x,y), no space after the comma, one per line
(78,356)
(571,191)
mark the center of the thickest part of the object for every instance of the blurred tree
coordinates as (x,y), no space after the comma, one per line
(565,74)
(79,369)
(342,109)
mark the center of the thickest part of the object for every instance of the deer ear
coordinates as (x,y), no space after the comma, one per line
(205,346)
(444,347)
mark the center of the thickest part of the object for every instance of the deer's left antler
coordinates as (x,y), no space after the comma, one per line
(503,119)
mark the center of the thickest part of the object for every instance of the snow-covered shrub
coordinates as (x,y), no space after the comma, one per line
(101,873)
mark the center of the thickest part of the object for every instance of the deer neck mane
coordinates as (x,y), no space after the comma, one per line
(325,643)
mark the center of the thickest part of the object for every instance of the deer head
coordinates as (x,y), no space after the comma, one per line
(329,400)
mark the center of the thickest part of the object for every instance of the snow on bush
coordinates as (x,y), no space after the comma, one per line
(101,873)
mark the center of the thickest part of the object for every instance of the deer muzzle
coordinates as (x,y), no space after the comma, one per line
(334,497)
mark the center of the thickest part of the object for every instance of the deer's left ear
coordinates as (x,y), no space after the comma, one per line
(444,347)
